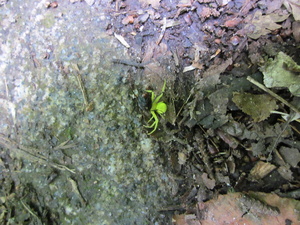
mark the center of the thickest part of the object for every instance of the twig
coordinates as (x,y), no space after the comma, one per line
(89,106)
(163,30)
(184,103)
(122,40)
(6,89)
(85,98)
(278,138)
(30,154)
(29,210)
(77,191)
(129,63)
(272,94)
(273,148)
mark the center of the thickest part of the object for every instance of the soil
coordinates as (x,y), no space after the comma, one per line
(150,112)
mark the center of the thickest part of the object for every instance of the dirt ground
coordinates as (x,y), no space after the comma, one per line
(150,112)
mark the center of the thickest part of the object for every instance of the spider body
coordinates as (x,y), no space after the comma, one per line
(157,107)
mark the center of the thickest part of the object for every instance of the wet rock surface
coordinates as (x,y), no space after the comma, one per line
(71,165)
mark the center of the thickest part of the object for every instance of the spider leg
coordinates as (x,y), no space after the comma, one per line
(152,125)
(150,119)
(159,97)
(155,123)
(152,95)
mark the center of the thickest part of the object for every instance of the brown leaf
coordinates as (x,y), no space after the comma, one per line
(185,219)
(207,12)
(273,5)
(128,19)
(290,155)
(261,169)
(233,22)
(296,31)
(293,6)
(263,24)
(154,3)
(252,208)
(217,69)
(209,183)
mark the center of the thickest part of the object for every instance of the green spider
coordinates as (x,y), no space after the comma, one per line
(157,107)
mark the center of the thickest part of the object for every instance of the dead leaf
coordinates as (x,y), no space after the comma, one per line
(293,6)
(273,5)
(286,173)
(170,23)
(181,158)
(260,170)
(188,68)
(197,65)
(209,183)
(128,19)
(122,40)
(296,31)
(184,3)
(228,139)
(154,3)
(163,30)
(290,155)
(232,22)
(263,24)
(279,73)
(207,12)
(185,219)
(73,1)
(217,69)
(259,107)
(223,2)
(251,208)
(90,2)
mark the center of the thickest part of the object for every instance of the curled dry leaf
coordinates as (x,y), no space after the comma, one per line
(188,68)
(122,40)
(261,169)
(128,19)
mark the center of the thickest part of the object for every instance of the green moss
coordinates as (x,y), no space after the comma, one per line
(48,20)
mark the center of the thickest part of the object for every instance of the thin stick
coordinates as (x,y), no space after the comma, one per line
(29,210)
(129,63)
(89,106)
(82,88)
(6,89)
(184,103)
(163,30)
(272,94)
